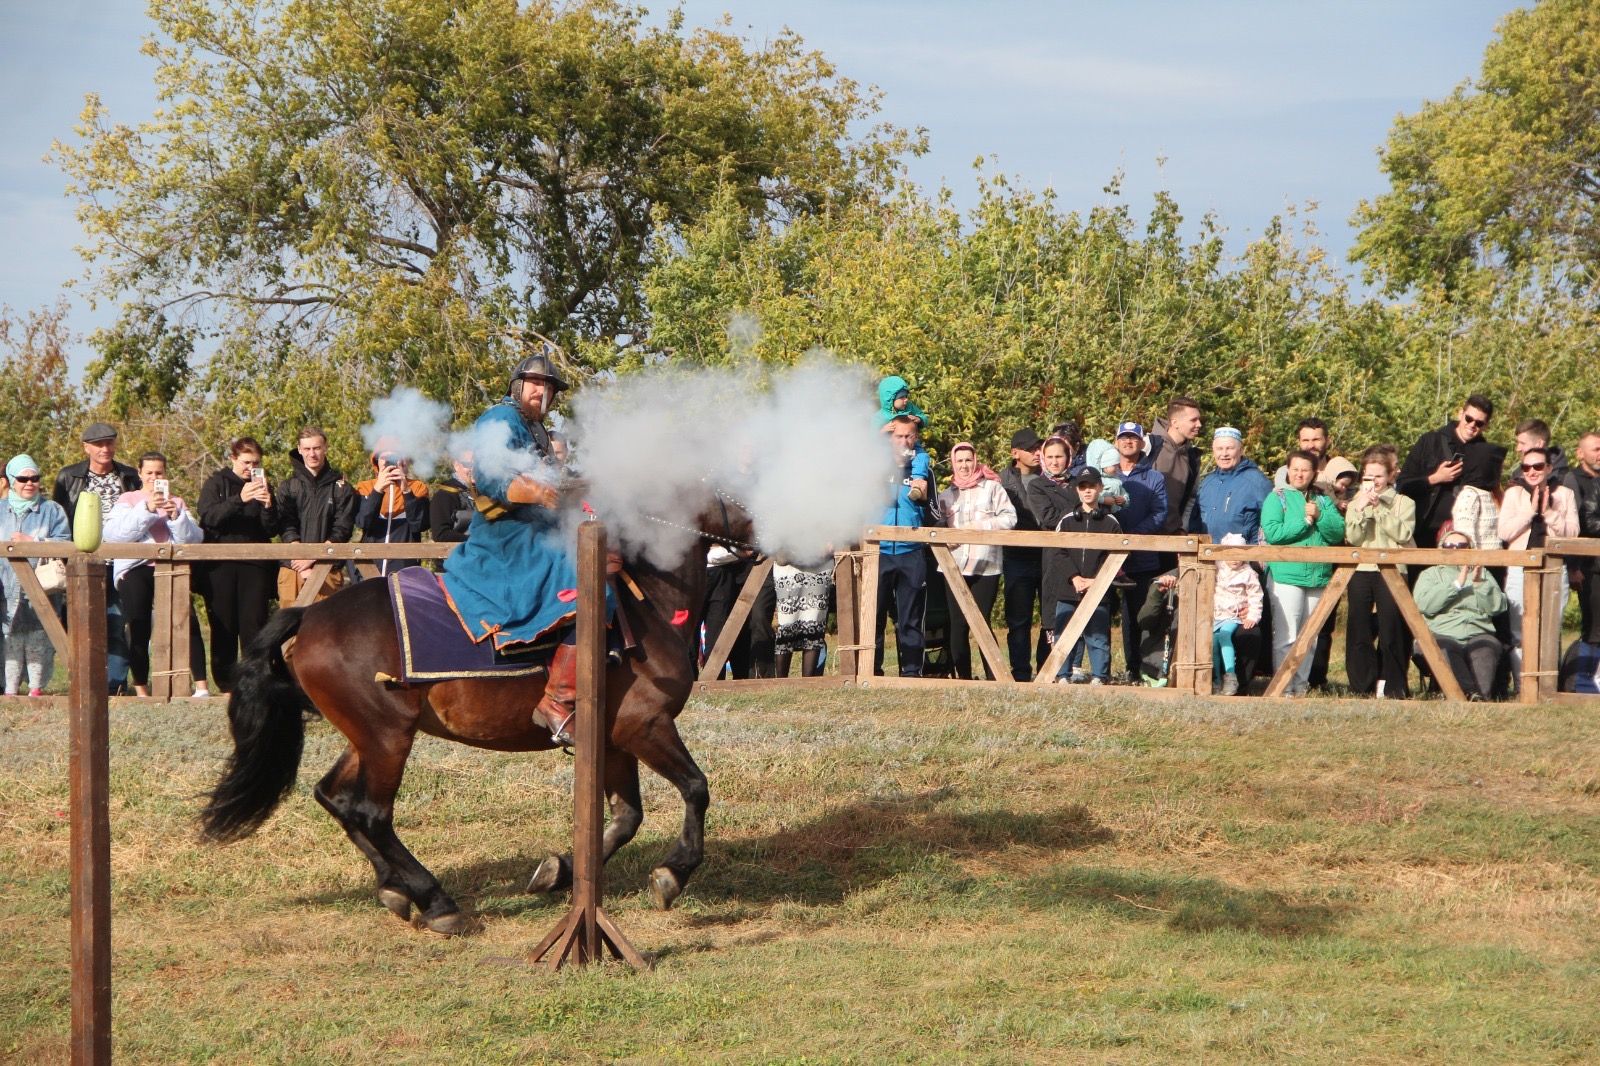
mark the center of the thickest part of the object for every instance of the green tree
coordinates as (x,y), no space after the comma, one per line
(343,194)
(40,407)
(1506,170)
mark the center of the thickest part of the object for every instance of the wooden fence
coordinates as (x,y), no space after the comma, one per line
(856,580)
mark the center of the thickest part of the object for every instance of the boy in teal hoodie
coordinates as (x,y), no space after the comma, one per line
(894,398)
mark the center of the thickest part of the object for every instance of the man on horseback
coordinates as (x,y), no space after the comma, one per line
(514,579)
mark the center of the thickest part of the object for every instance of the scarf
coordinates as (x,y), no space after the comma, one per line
(981,474)
(20,464)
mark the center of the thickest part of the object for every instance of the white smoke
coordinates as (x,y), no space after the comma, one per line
(486,449)
(800,449)
(408,424)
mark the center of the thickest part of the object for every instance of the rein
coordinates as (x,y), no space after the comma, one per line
(723,499)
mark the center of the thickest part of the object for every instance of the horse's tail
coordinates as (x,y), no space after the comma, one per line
(266,716)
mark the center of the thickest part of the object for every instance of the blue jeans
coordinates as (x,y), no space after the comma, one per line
(903,579)
(116,640)
(1096,636)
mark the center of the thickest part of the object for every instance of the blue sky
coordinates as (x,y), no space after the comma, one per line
(1249,105)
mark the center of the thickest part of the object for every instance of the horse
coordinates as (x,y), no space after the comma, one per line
(342,643)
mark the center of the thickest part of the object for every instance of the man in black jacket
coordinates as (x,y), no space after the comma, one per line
(316,505)
(1444,459)
(1584,573)
(1020,567)
(102,475)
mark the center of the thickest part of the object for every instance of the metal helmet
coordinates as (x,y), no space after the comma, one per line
(539,363)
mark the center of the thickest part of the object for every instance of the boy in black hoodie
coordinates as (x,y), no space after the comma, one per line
(1068,573)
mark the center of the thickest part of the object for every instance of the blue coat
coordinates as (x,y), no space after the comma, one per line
(1145,512)
(43,521)
(904,511)
(514,578)
(1230,501)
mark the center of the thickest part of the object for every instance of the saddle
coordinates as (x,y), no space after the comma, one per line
(436,646)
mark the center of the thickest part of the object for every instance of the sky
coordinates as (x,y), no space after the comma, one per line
(1240,107)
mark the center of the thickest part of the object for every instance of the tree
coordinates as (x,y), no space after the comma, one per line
(387,186)
(40,407)
(1506,170)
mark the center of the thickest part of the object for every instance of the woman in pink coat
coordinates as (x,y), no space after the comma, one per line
(1532,510)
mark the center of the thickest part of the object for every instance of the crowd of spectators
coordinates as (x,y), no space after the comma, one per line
(1448,491)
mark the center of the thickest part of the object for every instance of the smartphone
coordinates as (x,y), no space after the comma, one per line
(258,474)
(162,487)
(1458,458)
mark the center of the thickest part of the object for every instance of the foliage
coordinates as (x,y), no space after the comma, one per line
(1506,170)
(389,186)
(40,407)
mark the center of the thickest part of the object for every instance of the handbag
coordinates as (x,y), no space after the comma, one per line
(52,574)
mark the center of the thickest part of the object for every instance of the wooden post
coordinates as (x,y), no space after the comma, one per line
(961,596)
(586,931)
(1200,619)
(846,581)
(1533,589)
(867,606)
(717,657)
(89,770)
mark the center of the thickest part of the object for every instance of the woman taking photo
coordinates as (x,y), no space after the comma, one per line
(236,507)
(27,516)
(151,515)
(974,500)
(1298,515)
(1460,603)
(1377,517)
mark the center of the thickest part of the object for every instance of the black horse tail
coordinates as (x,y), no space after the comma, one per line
(266,716)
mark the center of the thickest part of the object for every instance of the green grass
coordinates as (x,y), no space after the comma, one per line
(891,877)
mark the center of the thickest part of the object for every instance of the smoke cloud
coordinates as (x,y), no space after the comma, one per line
(407,423)
(798,447)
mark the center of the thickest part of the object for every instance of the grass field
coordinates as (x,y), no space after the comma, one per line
(891,877)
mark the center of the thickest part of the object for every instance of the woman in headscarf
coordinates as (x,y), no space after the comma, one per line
(974,500)
(26,516)
(1459,603)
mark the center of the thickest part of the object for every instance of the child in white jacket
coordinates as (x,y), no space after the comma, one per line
(1237,604)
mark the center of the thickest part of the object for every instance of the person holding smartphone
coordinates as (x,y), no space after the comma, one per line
(1459,603)
(237,507)
(1377,517)
(151,514)
(1443,461)
(394,506)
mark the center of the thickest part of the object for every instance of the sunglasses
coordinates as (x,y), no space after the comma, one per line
(1479,422)
(1455,544)
(26,480)
(1534,466)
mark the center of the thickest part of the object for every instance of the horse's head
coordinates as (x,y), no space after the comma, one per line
(726,521)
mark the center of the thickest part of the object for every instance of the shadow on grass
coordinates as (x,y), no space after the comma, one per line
(1184,904)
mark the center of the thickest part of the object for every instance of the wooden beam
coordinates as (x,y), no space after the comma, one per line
(1437,662)
(1554,604)
(1080,617)
(867,628)
(313,583)
(1266,553)
(43,608)
(717,657)
(1030,538)
(89,770)
(1532,645)
(1332,593)
(846,583)
(961,595)
(162,629)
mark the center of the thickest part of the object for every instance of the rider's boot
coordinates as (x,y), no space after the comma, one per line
(560,698)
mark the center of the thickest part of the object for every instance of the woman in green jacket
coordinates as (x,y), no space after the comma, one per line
(1299,516)
(1378,517)
(1460,603)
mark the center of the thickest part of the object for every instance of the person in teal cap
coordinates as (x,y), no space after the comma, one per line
(894,399)
(26,516)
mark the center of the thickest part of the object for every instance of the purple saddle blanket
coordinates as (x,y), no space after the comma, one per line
(435,645)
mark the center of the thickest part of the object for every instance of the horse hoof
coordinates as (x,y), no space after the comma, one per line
(398,902)
(548,877)
(664,888)
(455,923)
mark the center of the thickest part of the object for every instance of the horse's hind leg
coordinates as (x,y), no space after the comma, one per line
(627,814)
(662,749)
(362,802)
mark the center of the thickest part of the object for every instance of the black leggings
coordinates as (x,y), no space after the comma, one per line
(239,597)
(138,592)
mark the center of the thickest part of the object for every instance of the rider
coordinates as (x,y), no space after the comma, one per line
(514,579)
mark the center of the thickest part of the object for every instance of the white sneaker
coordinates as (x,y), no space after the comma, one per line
(200,694)
(1095,681)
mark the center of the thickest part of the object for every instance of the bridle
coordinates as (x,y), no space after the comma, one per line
(723,499)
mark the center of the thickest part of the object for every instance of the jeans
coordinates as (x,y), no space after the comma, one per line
(1096,637)
(1291,606)
(1022,576)
(902,578)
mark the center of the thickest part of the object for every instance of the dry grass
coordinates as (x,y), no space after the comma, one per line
(892,876)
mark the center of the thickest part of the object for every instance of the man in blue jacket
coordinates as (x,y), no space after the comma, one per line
(1143,515)
(902,565)
(1230,496)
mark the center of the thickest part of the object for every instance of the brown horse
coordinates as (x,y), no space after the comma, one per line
(343,642)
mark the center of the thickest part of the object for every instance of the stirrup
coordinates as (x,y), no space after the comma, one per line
(562,734)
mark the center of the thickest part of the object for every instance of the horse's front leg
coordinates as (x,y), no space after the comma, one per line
(663,750)
(627,814)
